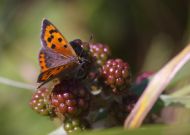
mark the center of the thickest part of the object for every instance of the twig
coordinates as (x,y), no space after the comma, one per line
(155,88)
(17,84)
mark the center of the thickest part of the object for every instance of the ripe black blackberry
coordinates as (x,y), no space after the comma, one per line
(119,110)
(74,125)
(100,51)
(116,74)
(69,99)
(40,101)
(129,101)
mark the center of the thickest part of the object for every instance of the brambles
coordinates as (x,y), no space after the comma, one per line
(104,91)
(120,110)
(116,74)
(101,52)
(129,102)
(69,99)
(74,125)
(39,101)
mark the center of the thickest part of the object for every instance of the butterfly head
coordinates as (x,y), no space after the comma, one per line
(84,59)
(82,50)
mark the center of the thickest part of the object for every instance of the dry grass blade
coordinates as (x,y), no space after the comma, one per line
(155,88)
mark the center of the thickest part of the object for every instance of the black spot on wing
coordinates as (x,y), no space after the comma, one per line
(65,46)
(60,39)
(52,31)
(49,39)
(53,46)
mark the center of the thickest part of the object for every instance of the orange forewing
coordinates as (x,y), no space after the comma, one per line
(51,73)
(54,40)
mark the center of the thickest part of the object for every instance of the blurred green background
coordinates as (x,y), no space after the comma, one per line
(145,33)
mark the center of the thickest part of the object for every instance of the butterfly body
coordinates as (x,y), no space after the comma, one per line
(57,57)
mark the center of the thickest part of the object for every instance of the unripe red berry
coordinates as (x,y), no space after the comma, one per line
(116,74)
(40,101)
(70,99)
(100,51)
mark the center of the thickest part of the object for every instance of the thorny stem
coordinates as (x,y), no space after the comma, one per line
(155,88)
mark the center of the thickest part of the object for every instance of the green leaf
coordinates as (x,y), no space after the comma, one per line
(152,130)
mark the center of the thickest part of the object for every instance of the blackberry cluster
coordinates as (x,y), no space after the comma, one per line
(116,74)
(69,99)
(39,101)
(106,86)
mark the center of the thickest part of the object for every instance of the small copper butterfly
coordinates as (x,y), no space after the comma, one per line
(58,57)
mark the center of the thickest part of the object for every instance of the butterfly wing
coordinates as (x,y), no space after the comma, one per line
(53,63)
(54,72)
(61,71)
(50,59)
(51,38)
(57,57)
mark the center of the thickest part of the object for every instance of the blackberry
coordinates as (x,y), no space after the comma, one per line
(120,110)
(74,125)
(40,101)
(116,74)
(129,102)
(69,99)
(100,51)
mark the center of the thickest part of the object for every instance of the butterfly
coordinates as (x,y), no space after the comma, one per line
(58,57)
